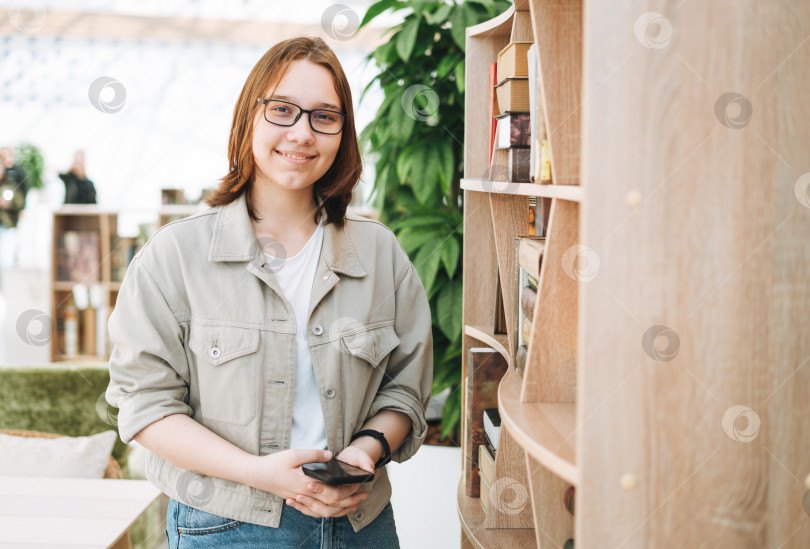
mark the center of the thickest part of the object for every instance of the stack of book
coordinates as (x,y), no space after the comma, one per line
(528,259)
(485,368)
(486,454)
(513,126)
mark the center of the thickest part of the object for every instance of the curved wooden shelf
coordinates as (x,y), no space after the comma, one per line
(501,25)
(546,430)
(574,193)
(472,518)
(498,342)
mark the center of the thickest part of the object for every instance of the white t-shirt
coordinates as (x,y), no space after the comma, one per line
(296,275)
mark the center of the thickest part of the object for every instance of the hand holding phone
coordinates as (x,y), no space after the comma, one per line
(334,472)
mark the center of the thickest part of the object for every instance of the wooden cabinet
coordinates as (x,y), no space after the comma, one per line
(667,375)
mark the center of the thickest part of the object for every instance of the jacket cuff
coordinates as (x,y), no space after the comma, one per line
(139,410)
(392,399)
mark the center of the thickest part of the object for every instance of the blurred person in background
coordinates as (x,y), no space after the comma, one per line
(78,189)
(13,191)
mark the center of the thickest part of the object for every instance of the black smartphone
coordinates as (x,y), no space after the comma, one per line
(336,472)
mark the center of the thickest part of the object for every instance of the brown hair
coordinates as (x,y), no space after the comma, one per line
(333,191)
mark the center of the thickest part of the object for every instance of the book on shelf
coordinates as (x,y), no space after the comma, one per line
(513,95)
(500,312)
(484,497)
(528,298)
(486,470)
(485,368)
(528,255)
(486,462)
(520,358)
(512,61)
(519,165)
(534,112)
(493,107)
(78,256)
(533,216)
(513,130)
(569,499)
(539,210)
(492,427)
(545,162)
(525,330)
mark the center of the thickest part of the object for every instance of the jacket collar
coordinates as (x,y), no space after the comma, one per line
(233,240)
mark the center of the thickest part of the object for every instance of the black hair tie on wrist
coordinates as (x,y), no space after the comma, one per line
(379,436)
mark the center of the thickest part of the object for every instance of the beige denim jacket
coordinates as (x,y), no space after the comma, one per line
(201,328)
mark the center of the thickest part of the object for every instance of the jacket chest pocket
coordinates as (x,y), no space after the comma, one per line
(227,371)
(370,347)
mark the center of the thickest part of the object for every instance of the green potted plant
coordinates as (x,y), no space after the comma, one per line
(29,158)
(416,139)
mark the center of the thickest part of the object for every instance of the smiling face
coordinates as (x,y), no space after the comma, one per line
(295,157)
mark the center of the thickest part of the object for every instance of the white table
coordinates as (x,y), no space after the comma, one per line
(70,512)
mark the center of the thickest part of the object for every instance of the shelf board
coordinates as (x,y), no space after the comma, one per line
(546,430)
(500,25)
(472,518)
(83,209)
(574,193)
(499,342)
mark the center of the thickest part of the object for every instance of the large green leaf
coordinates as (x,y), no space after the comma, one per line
(450,254)
(406,38)
(378,8)
(412,238)
(440,15)
(451,413)
(449,310)
(427,265)
(425,173)
(447,64)
(459,76)
(447,168)
(425,220)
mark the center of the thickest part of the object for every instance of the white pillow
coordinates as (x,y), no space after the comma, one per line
(84,457)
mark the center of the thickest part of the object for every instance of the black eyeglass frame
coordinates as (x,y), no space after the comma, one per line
(301,111)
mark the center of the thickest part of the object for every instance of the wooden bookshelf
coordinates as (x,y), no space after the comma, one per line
(104,223)
(88,218)
(662,213)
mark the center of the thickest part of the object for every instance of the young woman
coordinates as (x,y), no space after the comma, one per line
(273,330)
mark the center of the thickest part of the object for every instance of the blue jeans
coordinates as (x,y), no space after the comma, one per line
(187,527)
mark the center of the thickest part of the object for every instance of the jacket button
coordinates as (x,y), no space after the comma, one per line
(317,330)
(215,352)
(330,393)
(359,515)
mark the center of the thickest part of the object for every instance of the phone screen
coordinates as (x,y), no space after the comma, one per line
(337,472)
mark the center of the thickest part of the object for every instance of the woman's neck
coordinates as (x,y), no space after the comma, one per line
(283,214)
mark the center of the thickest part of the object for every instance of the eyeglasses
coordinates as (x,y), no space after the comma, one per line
(284,113)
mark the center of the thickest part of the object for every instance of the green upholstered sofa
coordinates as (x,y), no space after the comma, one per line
(68,399)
